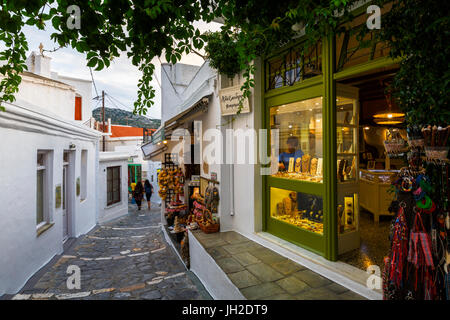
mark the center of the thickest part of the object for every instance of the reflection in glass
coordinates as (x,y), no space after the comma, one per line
(299,140)
(299,209)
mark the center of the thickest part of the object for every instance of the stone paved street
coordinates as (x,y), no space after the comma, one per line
(125,259)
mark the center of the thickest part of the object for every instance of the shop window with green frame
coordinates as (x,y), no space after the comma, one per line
(300,139)
(316,206)
(294,193)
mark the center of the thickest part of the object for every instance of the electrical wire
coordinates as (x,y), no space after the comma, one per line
(93,81)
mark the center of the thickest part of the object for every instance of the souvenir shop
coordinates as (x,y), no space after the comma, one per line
(189,191)
(350,180)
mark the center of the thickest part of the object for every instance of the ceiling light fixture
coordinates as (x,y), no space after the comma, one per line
(388,116)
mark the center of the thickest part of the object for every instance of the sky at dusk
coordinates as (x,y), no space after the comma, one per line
(119,80)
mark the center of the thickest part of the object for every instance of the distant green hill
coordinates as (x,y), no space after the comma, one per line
(126,118)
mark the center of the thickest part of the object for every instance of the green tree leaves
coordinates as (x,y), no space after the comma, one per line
(416,29)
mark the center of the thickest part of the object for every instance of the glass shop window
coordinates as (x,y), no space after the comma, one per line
(294,65)
(299,141)
(299,209)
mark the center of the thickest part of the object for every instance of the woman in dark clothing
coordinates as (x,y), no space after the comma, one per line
(138,194)
(148,191)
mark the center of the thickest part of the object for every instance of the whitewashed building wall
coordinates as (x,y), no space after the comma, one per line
(26,129)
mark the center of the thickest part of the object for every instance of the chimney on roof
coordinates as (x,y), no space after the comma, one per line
(39,64)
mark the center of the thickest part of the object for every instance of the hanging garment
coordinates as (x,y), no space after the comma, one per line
(421,259)
(399,249)
(420,254)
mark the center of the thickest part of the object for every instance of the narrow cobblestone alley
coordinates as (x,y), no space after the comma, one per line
(127,258)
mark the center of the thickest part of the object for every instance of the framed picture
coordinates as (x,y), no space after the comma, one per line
(371,164)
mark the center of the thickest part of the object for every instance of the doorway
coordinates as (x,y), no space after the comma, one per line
(67,191)
(375,169)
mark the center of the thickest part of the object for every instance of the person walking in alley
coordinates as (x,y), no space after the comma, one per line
(148,192)
(138,194)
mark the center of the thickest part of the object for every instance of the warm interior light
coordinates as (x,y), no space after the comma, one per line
(165,141)
(388,117)
(366,128)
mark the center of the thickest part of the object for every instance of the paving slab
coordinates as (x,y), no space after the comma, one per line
(246,258)
(229,265)
(238,247)
(218,252)
(243,279)
(292,285)
(267,256)
(233,237)
(264,273)
(262,290)
(287,266)
(313,279)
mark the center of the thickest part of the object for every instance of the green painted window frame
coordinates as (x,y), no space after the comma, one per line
(322,85)
(307,89)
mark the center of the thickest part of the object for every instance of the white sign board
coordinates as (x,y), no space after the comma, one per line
(229,101)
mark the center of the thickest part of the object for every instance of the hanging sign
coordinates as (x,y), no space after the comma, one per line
(229,101)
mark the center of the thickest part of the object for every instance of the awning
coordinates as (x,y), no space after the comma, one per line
(150,150)
(176,121)
(160,137)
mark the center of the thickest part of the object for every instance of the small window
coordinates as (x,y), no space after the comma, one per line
(84,163)
(78,108)
(113,185)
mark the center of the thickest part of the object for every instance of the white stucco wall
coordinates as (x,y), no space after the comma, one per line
(54,97)
(84,89)
(242,193)
(25,129)
(174,81)
(112,159)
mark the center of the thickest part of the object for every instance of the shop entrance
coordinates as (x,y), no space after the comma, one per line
(374,170)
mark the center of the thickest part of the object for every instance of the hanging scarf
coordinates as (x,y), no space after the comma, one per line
(399,249)
(420,256)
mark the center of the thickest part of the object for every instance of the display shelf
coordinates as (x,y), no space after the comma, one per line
(347,170)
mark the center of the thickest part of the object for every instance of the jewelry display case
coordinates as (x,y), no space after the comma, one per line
(298,209)
(374,190)
(299,141)
(347,148)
